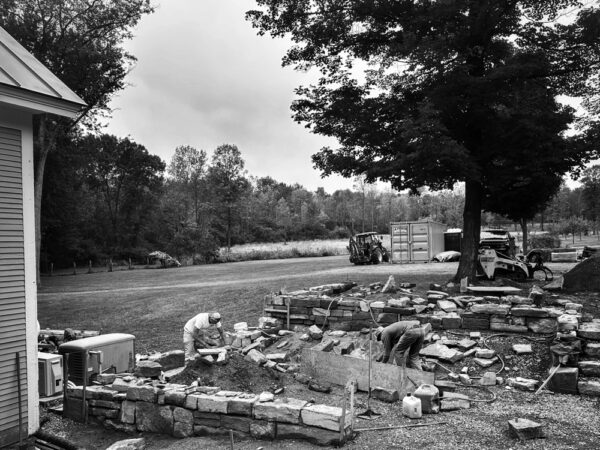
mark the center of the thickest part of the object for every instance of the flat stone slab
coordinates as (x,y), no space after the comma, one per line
(590,368)
(525,384)
(485,353)
(442,352)
(491,308)
(589,330)
(591,388)
(528,311)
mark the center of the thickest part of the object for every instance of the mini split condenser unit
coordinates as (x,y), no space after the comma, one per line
(50,368)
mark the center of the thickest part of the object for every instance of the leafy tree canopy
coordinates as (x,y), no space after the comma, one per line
(445,91)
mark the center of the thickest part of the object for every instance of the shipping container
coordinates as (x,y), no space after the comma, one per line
(413,242)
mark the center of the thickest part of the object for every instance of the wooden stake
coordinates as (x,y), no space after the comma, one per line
(231,437)
(343,419)
(352,405)
(412,425)
(547,379)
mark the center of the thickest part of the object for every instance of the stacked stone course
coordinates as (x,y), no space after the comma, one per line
(135,404)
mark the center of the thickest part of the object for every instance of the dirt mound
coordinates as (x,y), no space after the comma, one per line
(585,276)
(235,375)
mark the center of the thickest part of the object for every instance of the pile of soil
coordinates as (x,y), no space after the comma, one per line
(585,276)
(236,374)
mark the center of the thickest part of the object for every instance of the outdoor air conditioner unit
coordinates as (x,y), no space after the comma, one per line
(106,353)
(50,368)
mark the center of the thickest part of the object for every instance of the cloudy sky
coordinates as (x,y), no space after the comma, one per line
(204,78)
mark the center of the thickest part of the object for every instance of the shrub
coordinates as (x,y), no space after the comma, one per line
(544,241)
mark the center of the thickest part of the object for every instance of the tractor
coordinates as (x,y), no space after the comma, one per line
(367,248)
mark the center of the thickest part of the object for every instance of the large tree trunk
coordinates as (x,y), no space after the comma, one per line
(467,266)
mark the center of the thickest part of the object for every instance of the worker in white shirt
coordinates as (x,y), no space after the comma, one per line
(195,332)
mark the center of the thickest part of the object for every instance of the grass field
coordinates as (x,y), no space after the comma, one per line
(154,304)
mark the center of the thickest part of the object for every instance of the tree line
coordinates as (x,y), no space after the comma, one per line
(108,198)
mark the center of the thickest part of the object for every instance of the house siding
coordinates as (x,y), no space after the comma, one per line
(13,348)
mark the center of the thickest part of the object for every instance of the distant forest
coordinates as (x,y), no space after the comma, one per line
(108,198)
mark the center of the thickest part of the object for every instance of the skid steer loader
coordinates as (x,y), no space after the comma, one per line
(495,264)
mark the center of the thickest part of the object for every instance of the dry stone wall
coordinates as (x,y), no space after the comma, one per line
(361,307)
(133,404)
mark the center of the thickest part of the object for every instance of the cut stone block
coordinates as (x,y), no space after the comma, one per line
(261,429)
(323,416)
(465,379)
(508,327)
(236,423)
(568,322)
(153,418)
(564,380)
(452,401)
(280,410)
(547,325)
(451,321)
(313,435)
(207,419)
(591,388)
(574,306)
(490,308)
(524,384)
(403,302)
(127,412)
(485,353)
(242,405)
(525,429)
(592,349)
(528,311)
(212,403)
(148,369)
(143,393)
(445,386)
(338,333)
(175,397)
(522,349)
(590,330)
(590,368)
(385,395)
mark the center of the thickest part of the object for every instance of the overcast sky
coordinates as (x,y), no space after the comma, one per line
(204,78)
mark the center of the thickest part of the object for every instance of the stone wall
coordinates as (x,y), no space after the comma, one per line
(502,314)
(133,404)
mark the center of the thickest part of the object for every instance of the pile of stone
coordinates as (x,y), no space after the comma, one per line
(131,404)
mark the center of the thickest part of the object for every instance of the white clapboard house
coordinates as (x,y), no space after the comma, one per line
(27,88)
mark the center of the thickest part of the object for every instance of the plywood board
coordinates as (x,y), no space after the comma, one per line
(338,369)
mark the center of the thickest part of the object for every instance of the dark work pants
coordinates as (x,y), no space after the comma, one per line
(411,341)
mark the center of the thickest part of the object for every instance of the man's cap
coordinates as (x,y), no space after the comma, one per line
(215,316)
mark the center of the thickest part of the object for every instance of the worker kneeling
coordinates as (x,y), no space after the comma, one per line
(397,339)
(195,333)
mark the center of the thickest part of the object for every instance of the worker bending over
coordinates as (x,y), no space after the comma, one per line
(195,333)
(400,337)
